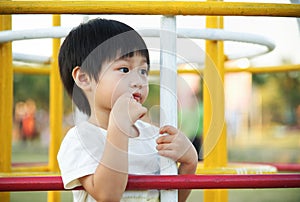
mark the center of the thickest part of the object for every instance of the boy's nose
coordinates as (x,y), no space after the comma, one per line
(136,84)
(136,81)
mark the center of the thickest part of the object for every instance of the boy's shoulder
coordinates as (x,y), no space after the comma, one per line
(83,136)
(84,131)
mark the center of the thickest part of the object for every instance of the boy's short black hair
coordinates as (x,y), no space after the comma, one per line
(90,45)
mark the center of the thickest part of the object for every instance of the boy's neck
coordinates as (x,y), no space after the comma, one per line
(100,121)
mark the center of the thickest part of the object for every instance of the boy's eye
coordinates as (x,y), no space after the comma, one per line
(144,72)
(124,69)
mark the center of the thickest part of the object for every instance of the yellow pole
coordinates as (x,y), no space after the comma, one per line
(254,70)
(267,69)
(214,128)
(56,111)
(6,103)
(150,8)
(25,69)
(222,146)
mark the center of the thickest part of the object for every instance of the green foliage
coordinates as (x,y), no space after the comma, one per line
(259,79)
(152,103)
(286,90)
(153,96)
(36,87)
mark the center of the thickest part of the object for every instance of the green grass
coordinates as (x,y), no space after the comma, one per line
(245,195)
(66,196)
(29,152)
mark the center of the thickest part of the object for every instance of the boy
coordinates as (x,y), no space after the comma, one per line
(104,67)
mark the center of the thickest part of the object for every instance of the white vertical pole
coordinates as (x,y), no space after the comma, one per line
(168,94)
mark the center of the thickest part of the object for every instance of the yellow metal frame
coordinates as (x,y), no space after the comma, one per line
(150,8)
(6,102)
(45,69)
(215,158)
(56,110)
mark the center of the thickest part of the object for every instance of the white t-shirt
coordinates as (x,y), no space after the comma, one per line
(82,149)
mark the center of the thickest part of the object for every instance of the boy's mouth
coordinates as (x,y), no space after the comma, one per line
(137,97)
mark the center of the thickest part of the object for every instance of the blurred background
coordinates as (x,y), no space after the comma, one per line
(262,109)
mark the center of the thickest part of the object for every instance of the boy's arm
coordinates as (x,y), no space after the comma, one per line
(110,178)
(185,169)
(109,181)
(178,147)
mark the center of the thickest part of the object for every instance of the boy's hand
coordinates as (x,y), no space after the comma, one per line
(125,112)
(177,146)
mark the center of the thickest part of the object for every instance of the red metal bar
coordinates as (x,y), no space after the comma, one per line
(31,183)
(215,181)
(164,182)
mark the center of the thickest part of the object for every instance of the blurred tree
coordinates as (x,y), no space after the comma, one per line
(35,87)
(288,89)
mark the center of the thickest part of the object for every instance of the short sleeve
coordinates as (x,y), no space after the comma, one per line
(79,156)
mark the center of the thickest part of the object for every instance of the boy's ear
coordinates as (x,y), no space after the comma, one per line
(81,78)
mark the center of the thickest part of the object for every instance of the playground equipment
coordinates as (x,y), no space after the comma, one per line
(216,160)
(208,34)
(46,183)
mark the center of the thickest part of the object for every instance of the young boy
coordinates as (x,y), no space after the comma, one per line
(104,67)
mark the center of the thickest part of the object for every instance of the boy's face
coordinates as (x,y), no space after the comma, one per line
(123,75)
